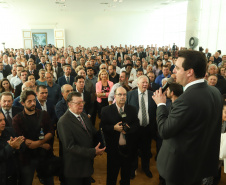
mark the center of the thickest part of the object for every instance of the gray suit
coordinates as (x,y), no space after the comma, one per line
(78,148)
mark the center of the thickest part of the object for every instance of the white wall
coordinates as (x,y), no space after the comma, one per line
(162,27)
(212,25)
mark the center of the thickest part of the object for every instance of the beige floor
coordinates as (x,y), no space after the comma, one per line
(100,171)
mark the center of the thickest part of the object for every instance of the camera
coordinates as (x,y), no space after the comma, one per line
(124,124)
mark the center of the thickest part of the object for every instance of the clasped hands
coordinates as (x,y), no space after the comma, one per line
(16,142)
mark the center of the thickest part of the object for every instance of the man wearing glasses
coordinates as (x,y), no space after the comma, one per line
(77,140)
(120,124)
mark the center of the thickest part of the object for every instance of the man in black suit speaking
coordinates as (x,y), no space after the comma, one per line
(191,130)
(76,132)
(120,139)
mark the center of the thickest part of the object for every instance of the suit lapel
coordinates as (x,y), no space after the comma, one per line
(136,98)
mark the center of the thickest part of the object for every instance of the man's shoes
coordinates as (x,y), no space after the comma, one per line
(92,180)
(148,173)
(132,174)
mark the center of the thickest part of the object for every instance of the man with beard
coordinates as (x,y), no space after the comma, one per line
(123,81)
(113,76)
(35,125)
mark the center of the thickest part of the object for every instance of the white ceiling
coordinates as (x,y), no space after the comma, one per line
(71,6)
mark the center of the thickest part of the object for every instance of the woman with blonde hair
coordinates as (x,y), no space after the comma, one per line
(103,88)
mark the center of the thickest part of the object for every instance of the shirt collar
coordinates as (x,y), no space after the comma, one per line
(76,115)
(119,107)
(5,111)
(193,83)
(139,92)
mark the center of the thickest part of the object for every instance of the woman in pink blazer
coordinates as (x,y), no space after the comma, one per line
(103,88)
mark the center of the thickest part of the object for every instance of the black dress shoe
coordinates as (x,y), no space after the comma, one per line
(92,180)
(132,175)
(148,173)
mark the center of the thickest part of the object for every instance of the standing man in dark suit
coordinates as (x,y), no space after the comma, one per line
(207,54)
(191,131)
(29,55)
(31,69)
(67,78)
(77,140)
(141,98)
(42,64)
(9,111)
(121,143)
(43,103)
(57,70)
(79,87)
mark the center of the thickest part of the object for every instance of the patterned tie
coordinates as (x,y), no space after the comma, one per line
(9,119)
(68,80)
(143,110)
(83,124)
(122,137)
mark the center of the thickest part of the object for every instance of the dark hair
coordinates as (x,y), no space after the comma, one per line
(165,66)
(128,65)
(79,77)
(40,86)
(89,68)
(126,74)
(128,58)
(176,88)
(24,94)
(19,66)
(195,60)
(140,69)
(73,94)
(2,89)
(114,67)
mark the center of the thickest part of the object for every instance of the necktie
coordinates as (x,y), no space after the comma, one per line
(68,80)
(143,110)
(122,137)
(83,124)
(9,119)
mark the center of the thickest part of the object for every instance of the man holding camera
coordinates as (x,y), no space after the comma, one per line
(120,124)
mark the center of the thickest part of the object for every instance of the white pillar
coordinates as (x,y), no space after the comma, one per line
(193,18)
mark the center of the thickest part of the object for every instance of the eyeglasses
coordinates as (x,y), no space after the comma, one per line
(120,95)
(78,103)
(102,68)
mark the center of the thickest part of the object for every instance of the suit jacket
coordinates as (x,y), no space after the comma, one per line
(35,73)
(50,109)
(132,99)
(32,56)
(110,117)
(40,66)
(15,111)
(78,148)
(18,90)
(153,86)
(62,80)
(7,70)
(88,107)
(208,55)
(191,135)
(59,72)
(61,108)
